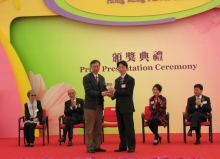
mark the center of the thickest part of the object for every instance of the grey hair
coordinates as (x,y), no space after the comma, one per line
(30,92)
(71,89)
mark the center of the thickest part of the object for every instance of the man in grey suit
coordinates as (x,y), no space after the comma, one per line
(123,93)
(95,90)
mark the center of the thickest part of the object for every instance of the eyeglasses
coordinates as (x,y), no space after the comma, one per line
(33,95)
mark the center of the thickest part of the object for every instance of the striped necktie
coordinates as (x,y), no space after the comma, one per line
(97,79)
(122,80)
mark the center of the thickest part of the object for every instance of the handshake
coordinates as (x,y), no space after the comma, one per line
(109,93)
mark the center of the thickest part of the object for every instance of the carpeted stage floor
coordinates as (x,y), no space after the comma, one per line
(175,149)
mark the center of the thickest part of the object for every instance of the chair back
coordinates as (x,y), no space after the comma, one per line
(186,112)
(147,113)
(109,114)
(64,119)
(44,112)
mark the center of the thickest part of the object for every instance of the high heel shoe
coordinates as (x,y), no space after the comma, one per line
(158,141)
(62,139)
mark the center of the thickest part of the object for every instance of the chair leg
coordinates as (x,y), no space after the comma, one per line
(143,134)
(84,136)
(24,137)
(18,137)
(211,135)
(103,134)
(184,133)
(48,136)
(168,133)
(43,135)
(59,133)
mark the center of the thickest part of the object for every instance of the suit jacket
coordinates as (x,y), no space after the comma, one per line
(78,112)
(204,109)
(124,96)
(39,113)
(92,93)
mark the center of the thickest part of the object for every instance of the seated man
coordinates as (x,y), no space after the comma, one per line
(198,107)
(74,115)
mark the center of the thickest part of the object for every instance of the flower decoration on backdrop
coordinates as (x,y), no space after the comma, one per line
(205,22)
(52,100)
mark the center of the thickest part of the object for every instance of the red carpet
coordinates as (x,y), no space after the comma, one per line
(177,148)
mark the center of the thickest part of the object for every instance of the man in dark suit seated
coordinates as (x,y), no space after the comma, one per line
(123,93)
(74,115)
(198,107)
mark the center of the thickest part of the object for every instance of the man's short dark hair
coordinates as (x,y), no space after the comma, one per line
(94,61)
(124,63)
(198,86)
(158,86)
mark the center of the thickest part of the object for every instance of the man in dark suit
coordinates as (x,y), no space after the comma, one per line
(123,93)
(95,90)
(73,114)
(198,107)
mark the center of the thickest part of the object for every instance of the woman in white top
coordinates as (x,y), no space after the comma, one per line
(33,114)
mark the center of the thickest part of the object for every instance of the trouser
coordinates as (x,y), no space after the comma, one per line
(126,130)
(153,125)
(195,123)
(93,127)
(29,132)
(69,124)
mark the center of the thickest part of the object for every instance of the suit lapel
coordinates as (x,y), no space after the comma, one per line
(126,76)
(69,102)
(100,82)
(118,84)
(93,79)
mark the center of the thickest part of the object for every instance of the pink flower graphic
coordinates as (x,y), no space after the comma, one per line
(206,21)
(37,84)
(52,100)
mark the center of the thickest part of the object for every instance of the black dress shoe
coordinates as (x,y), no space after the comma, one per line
(100,150)
(90,151)
(70,143)
(197,142)
(120,150)
(31,145)
(189,133)
(27,145)
(62,139)
(130,150)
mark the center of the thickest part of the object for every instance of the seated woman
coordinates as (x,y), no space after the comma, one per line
(33,114)
(157,108)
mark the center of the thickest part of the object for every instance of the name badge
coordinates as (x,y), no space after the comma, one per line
(123,85)
(204,102)
(152,102)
